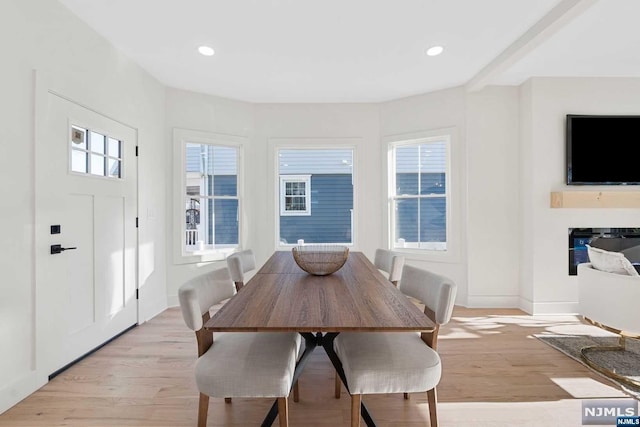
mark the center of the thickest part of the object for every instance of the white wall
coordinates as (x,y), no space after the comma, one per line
(43,35)
(493,216)
(525,179)
(545,230)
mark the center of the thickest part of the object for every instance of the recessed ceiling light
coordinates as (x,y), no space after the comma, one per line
(435,50)
(206,51)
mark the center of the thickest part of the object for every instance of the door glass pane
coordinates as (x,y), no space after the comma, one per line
(78,137)
(97,165)
(78,161)
(97,142)
(114,147)
(113,167)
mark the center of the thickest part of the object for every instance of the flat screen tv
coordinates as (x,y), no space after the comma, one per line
(603,150)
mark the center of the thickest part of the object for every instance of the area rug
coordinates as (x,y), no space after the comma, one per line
(625,363)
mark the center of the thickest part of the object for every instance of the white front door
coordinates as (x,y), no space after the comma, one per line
(86,202)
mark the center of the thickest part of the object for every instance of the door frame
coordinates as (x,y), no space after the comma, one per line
(45,85)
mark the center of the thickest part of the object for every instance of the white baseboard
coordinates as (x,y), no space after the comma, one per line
(525,305)
(493,301)
(560,307)
(14,392)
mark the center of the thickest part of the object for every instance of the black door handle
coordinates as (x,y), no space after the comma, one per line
(56,249)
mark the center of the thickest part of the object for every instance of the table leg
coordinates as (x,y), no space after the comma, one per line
(310,343)
(327,343)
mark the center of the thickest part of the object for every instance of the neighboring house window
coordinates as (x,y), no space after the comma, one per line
(419,193)
(295,195)
(315,196)
(207,195)
(93,153)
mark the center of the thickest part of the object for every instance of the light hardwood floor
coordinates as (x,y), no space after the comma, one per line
(494,374)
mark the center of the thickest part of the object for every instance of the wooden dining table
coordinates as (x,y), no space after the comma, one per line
(281,297)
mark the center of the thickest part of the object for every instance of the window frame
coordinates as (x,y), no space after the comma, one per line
(182,137)
(306,179)
(447,135)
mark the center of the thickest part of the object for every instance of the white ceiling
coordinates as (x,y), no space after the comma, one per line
(604,41)
(365,50)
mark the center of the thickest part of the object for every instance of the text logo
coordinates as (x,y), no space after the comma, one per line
(628,421)
(598,412)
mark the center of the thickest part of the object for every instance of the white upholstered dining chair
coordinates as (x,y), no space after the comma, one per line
(396,362)
(390,263)
(240,263)
(236,364)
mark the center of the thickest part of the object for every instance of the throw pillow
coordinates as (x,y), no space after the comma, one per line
(611,262)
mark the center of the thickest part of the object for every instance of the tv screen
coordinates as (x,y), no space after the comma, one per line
(603,150)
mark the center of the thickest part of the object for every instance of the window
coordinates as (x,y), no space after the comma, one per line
(207,195)
(295,195)
(211,217)
(315,196)
(93,153)
(419,193)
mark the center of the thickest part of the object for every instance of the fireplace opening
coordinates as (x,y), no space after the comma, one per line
(609,239)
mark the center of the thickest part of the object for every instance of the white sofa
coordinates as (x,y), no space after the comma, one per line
(610,299)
